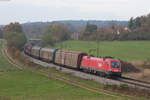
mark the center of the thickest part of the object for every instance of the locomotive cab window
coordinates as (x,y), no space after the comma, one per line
(115,64)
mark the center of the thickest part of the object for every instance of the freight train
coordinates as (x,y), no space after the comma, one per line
(105,66)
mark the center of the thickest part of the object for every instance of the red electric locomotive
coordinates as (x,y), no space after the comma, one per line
(101,66)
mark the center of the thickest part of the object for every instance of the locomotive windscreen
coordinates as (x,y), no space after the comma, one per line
(115,64)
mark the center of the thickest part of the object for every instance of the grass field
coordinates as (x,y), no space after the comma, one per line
(125,50)
(24,85)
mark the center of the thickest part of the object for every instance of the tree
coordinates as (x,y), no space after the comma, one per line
(48,39)
(138,22)
(140,28)
(90,32)
(56,33)
(131,23)
(1,33)
(14,35)
(16,40)
(91,28)
(112,25)
(12,27)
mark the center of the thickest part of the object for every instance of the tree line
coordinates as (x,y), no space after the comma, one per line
(138,29)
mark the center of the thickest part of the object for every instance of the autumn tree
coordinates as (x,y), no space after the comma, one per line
(139,28)
(13,27)
(56,33)
(14,35)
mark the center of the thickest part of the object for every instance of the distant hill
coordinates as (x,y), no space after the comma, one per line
(36,29)
(1,26)
(82,23)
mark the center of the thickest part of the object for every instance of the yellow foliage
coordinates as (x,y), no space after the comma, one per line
(17,53)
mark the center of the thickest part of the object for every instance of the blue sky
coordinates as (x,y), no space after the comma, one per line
(50,10)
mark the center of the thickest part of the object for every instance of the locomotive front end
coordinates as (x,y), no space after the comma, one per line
(115,69)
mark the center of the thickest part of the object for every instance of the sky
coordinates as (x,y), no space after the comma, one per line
(51,10)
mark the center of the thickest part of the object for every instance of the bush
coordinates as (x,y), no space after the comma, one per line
(128,67)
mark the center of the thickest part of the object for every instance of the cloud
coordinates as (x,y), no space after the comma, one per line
(69,3)
(42,10)
(92,6)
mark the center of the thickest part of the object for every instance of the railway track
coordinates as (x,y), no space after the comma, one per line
(10,60)
(135,82)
